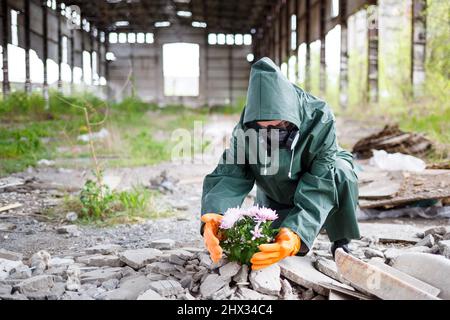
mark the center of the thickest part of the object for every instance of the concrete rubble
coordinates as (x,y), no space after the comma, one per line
(403,269)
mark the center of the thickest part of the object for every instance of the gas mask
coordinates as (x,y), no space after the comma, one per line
(287,134)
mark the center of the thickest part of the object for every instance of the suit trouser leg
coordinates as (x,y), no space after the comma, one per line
(342,222)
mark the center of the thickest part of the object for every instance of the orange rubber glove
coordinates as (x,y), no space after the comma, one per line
(287,244)
(210,234)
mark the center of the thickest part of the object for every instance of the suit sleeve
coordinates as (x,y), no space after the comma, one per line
(316,194)
(230,183)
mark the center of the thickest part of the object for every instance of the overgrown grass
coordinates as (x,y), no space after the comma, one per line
(139,132)
(116,207)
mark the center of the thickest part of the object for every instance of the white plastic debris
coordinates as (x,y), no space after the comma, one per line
(46,163)
(102,134)
(396,162)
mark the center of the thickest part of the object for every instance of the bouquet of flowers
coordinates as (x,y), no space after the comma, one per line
(243,231)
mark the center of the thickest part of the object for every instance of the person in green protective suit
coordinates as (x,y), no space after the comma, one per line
(312,185)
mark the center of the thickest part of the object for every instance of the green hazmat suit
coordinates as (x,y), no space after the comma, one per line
(320,191)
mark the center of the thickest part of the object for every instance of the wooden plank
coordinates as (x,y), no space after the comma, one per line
(10,207)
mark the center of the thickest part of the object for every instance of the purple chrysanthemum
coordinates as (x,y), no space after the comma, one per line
(265,214)
(257,232)
(230,218)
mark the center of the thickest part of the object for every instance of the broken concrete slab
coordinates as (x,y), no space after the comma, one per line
(99,260)
(179,254)
(429,268)
(177,260)
(301,271)
(444,248)
(241,278)
(393,253)
(10,255)
(105,249)
(376,281)
(230,269)
(6,266)
(267,280)
(42,283)
(73,282)
(252,295)
(129,288)
(339,296)
(21,272)
(352,292)
(380,189)
(406,278)
(101,275)
(166,287)
(328,267)
(71,230)
(5,289)
(150,295)
(390,233)
(60,262)
(212,284)
(139,258)
(370,253)
(439,230)
(110,284)
(223,293)
(163,268)
(40,262)
(162,244)
(427,241)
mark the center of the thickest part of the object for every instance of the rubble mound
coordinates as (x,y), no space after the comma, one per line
(110,272)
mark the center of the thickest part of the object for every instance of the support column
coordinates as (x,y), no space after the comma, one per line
(107,77)
(271,40)
(5,27)
(59,18)
(230,74)
(419,46)
(288,28)
(99,57)
(308,46)
(297,13)
(45,50)
(323,63)
(28,87)
(91,44)
(280,35)
(343,76)
(83,48)
(373,39)
(72,61)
